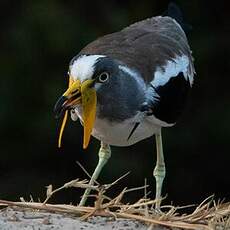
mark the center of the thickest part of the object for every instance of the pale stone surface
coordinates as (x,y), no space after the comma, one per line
(11,219)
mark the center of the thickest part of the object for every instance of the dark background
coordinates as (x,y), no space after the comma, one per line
(38,39)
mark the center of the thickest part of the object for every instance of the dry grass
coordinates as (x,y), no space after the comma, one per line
(207,215)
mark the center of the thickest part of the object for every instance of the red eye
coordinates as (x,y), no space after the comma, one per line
(103,77)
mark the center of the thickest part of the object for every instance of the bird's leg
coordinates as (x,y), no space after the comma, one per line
(159,171)
(104,154)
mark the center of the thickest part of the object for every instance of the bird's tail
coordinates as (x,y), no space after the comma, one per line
(175,12)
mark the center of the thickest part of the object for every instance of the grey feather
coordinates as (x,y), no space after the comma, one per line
(144,46)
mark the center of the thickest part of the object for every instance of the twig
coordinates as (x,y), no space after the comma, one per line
(86,172)
(74,183)
(107,186)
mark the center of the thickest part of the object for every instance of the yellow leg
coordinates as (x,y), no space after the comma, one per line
(159,171)
(104,154)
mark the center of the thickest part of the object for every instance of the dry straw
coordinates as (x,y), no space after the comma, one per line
(208,215)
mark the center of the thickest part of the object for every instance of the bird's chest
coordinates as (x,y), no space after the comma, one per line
(117,132)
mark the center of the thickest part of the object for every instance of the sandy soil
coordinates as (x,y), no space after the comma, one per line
(11,219)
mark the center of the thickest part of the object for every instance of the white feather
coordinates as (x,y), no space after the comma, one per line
(83,67)
(172,69)
(134,74)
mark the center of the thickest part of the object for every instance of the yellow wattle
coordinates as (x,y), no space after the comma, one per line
(89,102)
(62,128)
(64,119)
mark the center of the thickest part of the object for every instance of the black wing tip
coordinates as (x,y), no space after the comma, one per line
(175,12)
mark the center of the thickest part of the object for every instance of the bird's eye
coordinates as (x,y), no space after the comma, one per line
(103,77)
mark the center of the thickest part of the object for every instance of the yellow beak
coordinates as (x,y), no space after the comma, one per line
(85,95)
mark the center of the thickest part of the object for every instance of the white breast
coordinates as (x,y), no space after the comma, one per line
(116,133)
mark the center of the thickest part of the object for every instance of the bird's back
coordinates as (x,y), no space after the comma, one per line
(145,45)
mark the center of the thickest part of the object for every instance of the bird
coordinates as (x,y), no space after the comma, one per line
(126,86)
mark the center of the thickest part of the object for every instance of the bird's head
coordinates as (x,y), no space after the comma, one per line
(88,74)
(98,79)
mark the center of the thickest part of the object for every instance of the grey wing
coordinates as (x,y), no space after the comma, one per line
(145,46)
(158,49)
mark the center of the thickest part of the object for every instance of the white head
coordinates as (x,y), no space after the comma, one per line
(83,67)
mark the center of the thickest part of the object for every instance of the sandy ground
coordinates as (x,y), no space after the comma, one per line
(11,219)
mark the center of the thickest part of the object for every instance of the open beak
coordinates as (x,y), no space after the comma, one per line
(78,93)
(69,99)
